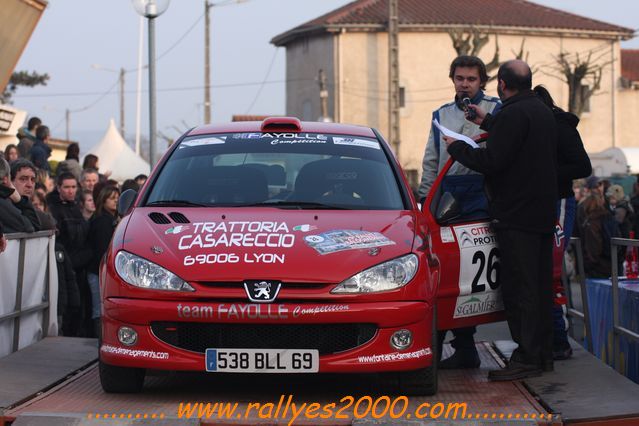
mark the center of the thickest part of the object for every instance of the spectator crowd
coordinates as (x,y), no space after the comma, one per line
(76,201)
(604,212)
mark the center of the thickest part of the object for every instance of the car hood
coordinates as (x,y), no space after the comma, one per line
(231,245)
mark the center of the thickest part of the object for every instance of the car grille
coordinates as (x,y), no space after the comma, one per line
(326,338)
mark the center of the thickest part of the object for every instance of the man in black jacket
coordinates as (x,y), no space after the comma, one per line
(519,164)
(16,213)
(73,231)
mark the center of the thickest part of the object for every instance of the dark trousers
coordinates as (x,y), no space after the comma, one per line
(464,340)
(526,281)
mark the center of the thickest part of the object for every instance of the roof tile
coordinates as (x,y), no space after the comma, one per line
(511,13)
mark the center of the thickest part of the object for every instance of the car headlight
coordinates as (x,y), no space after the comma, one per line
(142,273)
(389,275)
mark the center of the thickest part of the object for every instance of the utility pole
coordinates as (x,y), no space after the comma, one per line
(323,97)
(207,63)
(122,72)
(67,116)
(393,74)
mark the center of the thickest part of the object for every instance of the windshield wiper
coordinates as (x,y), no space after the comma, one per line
(175,203)
(302,205)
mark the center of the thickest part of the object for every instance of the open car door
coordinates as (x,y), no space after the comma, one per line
(469,291)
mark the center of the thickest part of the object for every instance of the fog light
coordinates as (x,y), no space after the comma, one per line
(401,339)
(127,336)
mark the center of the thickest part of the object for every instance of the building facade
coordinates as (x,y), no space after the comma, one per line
(350,45)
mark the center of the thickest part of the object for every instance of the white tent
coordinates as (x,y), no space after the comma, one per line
(632,158)
(114,154)
(609,162)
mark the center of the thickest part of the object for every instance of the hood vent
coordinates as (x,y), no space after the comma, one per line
(178,217)
(159,218)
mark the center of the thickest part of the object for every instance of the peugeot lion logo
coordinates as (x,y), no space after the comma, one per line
(465,239)
(262,291)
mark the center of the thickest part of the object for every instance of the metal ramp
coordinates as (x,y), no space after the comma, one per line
(581,391)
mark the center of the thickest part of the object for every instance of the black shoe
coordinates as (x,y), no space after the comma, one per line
(461,359)
(547,366)
(561,354)
(514,371)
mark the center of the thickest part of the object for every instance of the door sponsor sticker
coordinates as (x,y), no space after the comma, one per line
(340,240)
(446,235)
(479,291)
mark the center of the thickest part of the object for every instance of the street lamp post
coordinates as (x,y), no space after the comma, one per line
(207,53)
(151,9)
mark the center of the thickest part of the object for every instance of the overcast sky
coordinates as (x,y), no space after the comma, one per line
(74,35)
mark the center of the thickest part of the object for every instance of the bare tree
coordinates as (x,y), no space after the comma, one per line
(470,41)
(582,75)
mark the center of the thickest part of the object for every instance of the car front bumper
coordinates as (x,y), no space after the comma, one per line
(154,350)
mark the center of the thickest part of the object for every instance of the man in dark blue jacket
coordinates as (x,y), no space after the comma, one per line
(41,151)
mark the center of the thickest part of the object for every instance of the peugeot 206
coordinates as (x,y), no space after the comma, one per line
(287,247)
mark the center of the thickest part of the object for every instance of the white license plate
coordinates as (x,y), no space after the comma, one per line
(262,360)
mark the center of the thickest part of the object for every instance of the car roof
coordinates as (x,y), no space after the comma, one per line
(306,127)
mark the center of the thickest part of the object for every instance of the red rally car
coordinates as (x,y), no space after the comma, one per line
(290,247)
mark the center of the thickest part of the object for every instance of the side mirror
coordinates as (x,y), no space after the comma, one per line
(447,209)
(126,201)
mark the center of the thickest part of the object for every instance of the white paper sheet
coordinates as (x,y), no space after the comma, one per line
(457,136)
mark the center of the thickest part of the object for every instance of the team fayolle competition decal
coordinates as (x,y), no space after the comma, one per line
(340,240)
(478,271)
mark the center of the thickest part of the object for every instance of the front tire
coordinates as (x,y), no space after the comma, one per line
(121,379)
(419,382)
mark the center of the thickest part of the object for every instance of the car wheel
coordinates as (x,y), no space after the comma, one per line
(418,382)
(121,379)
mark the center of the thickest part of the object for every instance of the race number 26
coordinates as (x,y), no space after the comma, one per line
(488,271)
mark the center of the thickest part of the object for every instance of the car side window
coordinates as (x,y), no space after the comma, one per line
(461,198)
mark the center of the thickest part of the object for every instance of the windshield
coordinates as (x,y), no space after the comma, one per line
(286,170)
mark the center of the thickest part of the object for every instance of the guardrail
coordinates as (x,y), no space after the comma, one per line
(617,329)
(571,311)
(46,302)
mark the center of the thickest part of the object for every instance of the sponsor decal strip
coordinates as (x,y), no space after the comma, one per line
(478,304)
(134,353)
(237,234)
(395,356)
(282,137)
(340,240)
(356,142)
(205,141)
(234,311)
